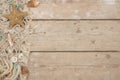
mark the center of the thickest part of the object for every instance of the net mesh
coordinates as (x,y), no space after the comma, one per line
(14,48)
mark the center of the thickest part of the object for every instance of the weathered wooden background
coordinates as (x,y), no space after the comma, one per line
(75,40)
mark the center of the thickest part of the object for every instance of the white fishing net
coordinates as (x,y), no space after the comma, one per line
(14,48)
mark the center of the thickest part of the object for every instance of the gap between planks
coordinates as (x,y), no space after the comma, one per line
(73,51)
(75,19)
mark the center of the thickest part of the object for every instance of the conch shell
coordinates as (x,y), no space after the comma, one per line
(33,3)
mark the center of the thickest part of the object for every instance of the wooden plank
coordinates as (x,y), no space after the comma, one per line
(91,59)
(74,66)
(75,36)
(115,73)
(77,9)
(69,73)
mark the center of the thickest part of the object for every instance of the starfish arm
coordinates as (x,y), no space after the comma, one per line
(21,23)
(12,24)
(8,16)
(23,14)
(15,10)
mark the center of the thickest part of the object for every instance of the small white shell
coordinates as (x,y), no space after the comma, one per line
(20,56)
(14,59)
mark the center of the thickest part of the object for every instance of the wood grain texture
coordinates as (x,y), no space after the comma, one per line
(75,36)
(77,9)
(75,40)
(69,73)
(115,74)
(74,66)
(98,59)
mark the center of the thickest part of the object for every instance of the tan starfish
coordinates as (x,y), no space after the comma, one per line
(16,17)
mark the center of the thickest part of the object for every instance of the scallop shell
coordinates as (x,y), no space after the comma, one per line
(33,3)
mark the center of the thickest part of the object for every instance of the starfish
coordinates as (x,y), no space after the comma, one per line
(16,17)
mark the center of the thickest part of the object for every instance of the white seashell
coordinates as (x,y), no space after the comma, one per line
(10,40)
(14,59)
(20,56)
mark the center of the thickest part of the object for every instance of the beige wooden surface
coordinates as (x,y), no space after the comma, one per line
(77,9)
(75,66)
(96,59)
(75,40)
(75,36)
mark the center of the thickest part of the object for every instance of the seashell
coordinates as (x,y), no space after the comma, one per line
(33,3)
(25,71)
(14,59)
(20,56)
(10,40)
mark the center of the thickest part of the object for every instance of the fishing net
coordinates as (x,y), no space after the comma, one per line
(14,48)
